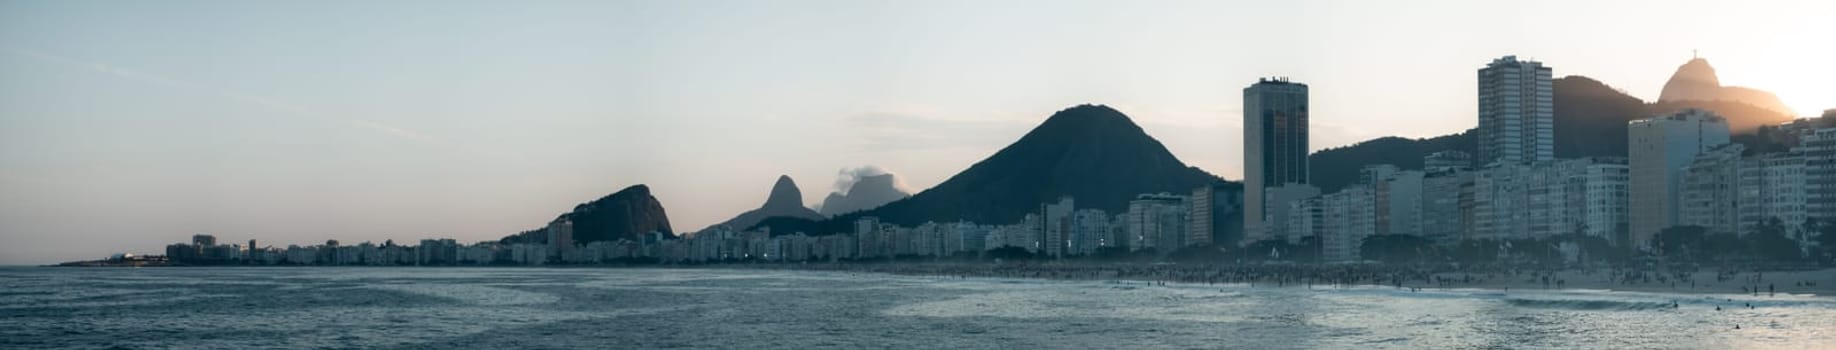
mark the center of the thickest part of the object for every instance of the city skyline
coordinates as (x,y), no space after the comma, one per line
(218,135)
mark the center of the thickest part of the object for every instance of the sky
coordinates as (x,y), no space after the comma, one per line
(125,126)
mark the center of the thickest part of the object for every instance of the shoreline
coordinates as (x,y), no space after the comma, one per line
(1813,283)
(1819,282)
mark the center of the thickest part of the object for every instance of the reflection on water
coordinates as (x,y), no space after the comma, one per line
(437,308)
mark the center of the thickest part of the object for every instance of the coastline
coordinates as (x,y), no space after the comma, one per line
(1815,283)
(1819,282)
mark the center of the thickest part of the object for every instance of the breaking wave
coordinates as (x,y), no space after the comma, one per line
(1579,304)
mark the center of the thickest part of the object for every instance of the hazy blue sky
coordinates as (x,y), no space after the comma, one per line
(126,125)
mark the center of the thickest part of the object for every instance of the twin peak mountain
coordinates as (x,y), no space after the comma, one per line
(1089,152)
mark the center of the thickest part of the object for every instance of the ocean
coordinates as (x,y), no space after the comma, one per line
(534,308)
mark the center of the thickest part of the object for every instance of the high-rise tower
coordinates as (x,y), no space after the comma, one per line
(1659,148)
(1516,112)
(1274,146)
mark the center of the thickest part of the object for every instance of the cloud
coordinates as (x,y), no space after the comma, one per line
(846,177)
(404,133)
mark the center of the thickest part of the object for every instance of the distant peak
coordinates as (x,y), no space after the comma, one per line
(784,193)
(1694,80)
(634,190)
(1697,69)
(1090,109)
(1088,115)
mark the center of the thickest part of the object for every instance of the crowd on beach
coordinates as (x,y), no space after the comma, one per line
(1725,280)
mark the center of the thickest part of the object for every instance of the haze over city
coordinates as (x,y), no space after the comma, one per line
(127,126)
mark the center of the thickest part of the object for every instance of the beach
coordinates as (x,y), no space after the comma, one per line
(1817,282)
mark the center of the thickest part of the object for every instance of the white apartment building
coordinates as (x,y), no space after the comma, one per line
(1348,216)
(1442,219)
(1157,221)
(1500,204)
(1659,147)
(1398,198)
(1516,112)
(1710,190)
(1772,188)
(1819,150)
(1604,185)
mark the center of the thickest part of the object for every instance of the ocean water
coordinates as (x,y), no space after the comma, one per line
(523,308)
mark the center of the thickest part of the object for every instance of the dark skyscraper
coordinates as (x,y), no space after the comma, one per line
(1274,145)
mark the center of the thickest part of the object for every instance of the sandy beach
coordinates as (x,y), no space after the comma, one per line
(1812,282)
(1820,282)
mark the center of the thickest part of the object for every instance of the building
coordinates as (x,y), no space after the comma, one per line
(1710,190)
(1306,218)
(203,240)
(1659,148)
(1056,232)
(1274,145)
(1603,186)
(1216,215)
(1440,204)
(866,234)
(1397,197)
(1157,221)
(972,237)
(560,234)
(1819,150)
(1772,187)
(1347,217)
(1516,112)
(1281,199)
(1500,202)
(440,252)
(1089,231)
(1449,159)
(1537,200)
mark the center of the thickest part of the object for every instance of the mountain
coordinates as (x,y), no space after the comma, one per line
(785,200)
(867,192)
(1092,153)
(1335,168)
(1590,121)
(1696,81)
(1590,118)
(1743,118)
(627,214)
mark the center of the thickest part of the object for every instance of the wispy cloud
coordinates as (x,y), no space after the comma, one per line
(404,133)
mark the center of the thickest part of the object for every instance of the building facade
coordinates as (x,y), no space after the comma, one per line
(1772,187)
(1274,145)
(1516,112)
(1659,148)
(1710,190)
(1347,217)
(1819,152)
(1157,221)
